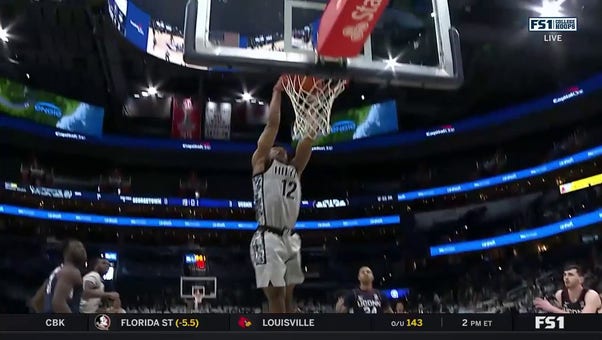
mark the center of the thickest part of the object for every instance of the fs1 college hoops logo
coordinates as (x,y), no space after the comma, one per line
(553,27)
(102,322)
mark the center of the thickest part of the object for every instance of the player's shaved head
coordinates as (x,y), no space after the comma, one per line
(74,252)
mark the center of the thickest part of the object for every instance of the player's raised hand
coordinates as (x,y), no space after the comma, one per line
(112,295)
(279,84)
(542,304)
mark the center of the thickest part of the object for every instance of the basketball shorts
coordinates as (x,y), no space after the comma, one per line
(276,259)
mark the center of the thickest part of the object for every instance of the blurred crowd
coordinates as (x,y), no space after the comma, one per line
(61,171)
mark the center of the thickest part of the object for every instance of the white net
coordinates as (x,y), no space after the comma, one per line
(312,100)
(198,293)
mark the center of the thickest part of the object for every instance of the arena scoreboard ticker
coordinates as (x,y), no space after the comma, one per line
(301,323)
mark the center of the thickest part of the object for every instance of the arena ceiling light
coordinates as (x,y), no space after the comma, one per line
(247,97)
(550,8)
(392,62)
(4,34)
(148,92)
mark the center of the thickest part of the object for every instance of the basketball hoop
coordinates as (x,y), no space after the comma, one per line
(312,100)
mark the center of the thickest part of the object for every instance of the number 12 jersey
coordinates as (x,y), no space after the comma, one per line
(277,196)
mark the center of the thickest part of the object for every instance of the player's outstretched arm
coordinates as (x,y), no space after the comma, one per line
(91,291)
(303,154)
(268,136)
(547,306)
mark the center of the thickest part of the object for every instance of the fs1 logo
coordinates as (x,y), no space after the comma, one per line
(549,322)
(552,26)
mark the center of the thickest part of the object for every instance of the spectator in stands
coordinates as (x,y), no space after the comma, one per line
(400,308)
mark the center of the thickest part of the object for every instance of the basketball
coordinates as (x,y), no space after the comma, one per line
(306,83)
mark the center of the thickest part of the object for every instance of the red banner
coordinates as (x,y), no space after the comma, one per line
(186,119)
(346,25)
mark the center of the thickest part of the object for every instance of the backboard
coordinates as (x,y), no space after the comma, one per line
(190,284)
(413,44)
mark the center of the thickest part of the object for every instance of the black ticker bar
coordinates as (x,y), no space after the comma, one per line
(560,322)
(406,323)
(163,322)
(41,323)
(300,322)
(239,323)
(477,322)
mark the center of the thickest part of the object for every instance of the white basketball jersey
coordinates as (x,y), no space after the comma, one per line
(277,196)
(91,305)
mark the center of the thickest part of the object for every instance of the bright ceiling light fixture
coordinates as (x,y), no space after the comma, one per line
(247,96)
(152,90)
(4,34)
(550,8)
(391,63)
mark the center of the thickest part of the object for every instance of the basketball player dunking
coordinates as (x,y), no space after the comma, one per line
(366,299)
(62,291)
(573,298)
(275,247)
(94,288)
